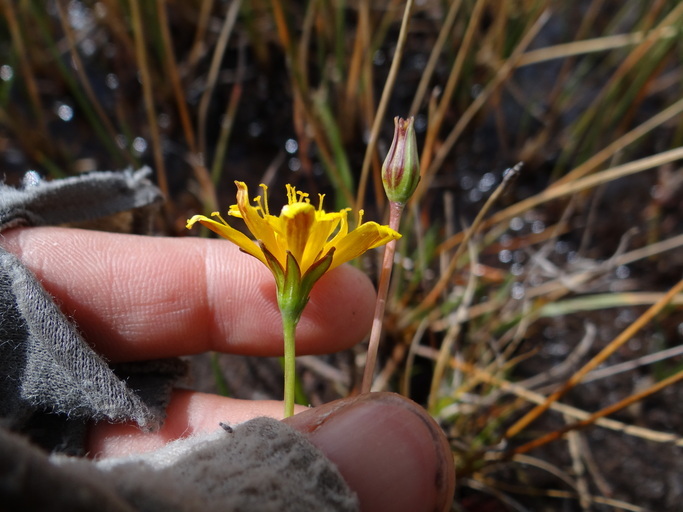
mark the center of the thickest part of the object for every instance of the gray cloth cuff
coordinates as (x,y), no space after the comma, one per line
(53,382)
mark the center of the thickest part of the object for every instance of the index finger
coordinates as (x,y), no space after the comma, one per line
(136,297)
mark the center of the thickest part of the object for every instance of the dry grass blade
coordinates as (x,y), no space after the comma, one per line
(599,44)
(430,299)
(628,366)
(622,142)
(228,120)
(198,46)
(171,67)
(578,469)
(212,77)
(554,289)
(555,494)
(25,63)
(595,361)
(503,72)
(590,420)
(444,34)
(456,321)
(208,193)
(487,488)
(438,114)
(517,390)
(85,82)
(608,93)
(148,95)
(573,187)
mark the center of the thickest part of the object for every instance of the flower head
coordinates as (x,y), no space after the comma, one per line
(300,244)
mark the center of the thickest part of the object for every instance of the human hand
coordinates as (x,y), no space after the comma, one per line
(137,298)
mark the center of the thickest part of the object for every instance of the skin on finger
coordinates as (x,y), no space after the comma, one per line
(188,413)
(136,297)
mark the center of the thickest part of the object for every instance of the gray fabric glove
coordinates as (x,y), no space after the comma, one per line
(262,465)
(52,382)
(77,199)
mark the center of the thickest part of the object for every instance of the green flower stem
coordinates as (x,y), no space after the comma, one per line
(219,378)
(289,322)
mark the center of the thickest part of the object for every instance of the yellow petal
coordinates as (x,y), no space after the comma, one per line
(365,237)
(226,231)
(263,228)
(297,221)
(325,224)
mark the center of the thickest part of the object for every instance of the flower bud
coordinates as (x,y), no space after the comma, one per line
(401,168)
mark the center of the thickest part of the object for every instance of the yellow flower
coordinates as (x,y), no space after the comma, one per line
(310,235)
(298,246)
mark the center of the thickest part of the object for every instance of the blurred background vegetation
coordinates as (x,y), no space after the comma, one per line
(525,309)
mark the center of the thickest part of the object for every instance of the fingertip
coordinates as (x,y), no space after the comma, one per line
(387,448)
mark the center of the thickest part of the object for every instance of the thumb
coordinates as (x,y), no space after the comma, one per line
(387,448)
